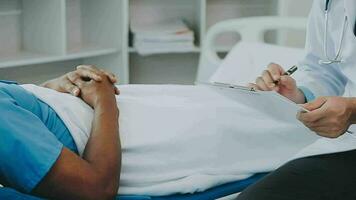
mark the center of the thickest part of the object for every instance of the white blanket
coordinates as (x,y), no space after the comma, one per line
(184,139)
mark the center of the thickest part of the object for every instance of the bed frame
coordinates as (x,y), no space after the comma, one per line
(250,29)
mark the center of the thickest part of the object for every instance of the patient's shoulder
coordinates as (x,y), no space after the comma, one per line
(15,95)
(7,88)
(5,94)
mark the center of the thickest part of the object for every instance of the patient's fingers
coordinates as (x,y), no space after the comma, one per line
(84,73)
(76,79)
(117,91)
(111,76)
(94,74)
(98,72)
(69,87)
(89,72)
(112,79)
(267,78)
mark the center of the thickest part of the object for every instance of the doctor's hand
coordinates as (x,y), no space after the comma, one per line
(86,72)
(273,79)
(329,116)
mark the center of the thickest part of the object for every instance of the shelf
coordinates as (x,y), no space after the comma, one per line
(43,34)
(223,48)
(29,58)
(10,12)
(97,32)
(89,51)
(194,50)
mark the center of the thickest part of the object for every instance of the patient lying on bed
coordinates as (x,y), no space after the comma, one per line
(175,139)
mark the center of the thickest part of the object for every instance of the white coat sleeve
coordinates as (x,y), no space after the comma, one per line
(319,80)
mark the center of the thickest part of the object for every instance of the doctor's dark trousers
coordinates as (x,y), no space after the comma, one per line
(322,177)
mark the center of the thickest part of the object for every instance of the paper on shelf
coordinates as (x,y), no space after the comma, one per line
(163,27)
(183,36)
(162,37)
(155,48)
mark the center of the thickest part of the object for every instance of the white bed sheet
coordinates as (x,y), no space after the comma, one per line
(184,139)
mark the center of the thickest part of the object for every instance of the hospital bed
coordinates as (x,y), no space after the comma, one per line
(251,30)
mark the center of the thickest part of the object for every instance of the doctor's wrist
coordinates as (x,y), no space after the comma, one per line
(299,97)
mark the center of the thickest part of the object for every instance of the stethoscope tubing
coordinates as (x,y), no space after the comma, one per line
(337,59)
(327,3)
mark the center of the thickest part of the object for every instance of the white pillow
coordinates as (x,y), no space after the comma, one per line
(246,61)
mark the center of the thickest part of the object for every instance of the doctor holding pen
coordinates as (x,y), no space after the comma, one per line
(327,70)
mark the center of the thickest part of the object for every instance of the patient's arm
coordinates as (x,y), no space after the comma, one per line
(96,175)
(86,72)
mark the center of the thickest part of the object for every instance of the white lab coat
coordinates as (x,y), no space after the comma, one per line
(334,79)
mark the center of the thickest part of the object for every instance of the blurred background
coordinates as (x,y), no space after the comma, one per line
(142,41)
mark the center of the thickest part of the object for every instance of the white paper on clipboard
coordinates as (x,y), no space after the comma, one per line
(267,102)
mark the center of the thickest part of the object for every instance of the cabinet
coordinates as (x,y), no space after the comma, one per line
(42,39)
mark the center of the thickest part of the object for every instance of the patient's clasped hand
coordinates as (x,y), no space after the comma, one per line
(175,139)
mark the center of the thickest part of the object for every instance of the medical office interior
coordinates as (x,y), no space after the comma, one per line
(44,39)
(160,42)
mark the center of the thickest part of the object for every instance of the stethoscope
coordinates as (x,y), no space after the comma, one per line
(337,58)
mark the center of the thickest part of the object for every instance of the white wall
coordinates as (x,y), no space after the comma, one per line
(293,8)
(38,73)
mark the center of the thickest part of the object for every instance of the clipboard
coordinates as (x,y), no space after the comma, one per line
(269,103)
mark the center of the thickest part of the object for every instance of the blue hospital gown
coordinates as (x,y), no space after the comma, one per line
(32,136)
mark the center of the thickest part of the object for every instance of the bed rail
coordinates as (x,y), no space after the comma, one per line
(250,29)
